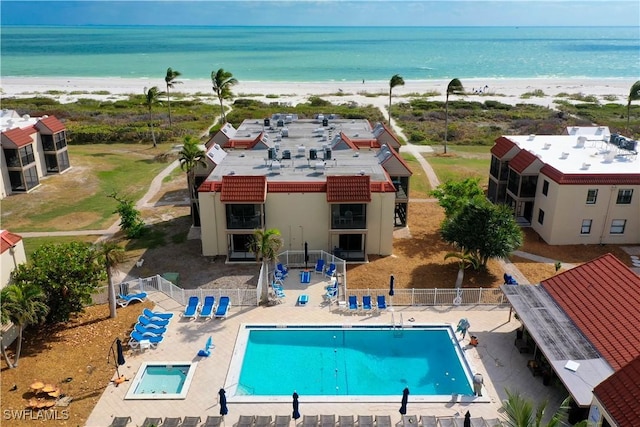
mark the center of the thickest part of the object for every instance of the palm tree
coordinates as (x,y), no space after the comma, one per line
(222,82)
(454,87)
(396,80)
(152,97)
(634,95)
(112,254)
(465,260)
(519,412)
(191,156)
(170,80)
(265,245)
(22,304)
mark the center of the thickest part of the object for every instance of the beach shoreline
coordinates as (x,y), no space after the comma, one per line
(507,90)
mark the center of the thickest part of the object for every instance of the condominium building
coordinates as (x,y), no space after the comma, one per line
(334,183)
(12,254)
(31,148)
(579,188)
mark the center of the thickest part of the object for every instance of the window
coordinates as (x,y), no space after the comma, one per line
(592,196)
(617,226)
(540,216)
(545,187)
(586,226)
(624,197)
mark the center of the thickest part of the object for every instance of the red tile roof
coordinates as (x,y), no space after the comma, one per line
(7,240)
(20,137)
(590,179)
(620,394)
(602,297)
(52,123)
(502,147)
(243,189)
(344,189)
(522,160)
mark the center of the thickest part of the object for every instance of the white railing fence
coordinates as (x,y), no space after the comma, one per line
(295,259)
(251,297)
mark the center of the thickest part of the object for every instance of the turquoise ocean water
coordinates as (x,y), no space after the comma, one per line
(322,53)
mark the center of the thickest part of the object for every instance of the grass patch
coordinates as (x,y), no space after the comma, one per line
(179,238)
(418,184)
(454,167)
(153,237)
(31,244)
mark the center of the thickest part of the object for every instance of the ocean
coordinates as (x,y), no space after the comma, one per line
(308,54)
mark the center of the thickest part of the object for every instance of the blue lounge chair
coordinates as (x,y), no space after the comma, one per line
(320,266)
(149,331)
(207,307)
(223,307)
(353,302)
(191,310)
(154,323)
(284,271)
(136,337)
(305,276)
(366,303)
(303,299)
(124,300)
(157,314)
(382,303)
(331,270)
(206,351)
(332,292)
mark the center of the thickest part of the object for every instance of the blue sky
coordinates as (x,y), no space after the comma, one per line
(324,13)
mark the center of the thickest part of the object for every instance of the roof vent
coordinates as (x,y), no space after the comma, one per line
(361,173)
(27,117)
(586,166)
(319,166)
(547,146)
(564,155)
(532,137)
(275,166)
(356,154)
(581,141)
(232,172)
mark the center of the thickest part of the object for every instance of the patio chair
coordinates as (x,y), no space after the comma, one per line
(154,323)
(446,422)
(156,314)
(282,421)
(124,300)
(493,422)
(223,307)
(366,303)
(331,293)
(137,337)
(245,421)
(327,420)
(320,266)
(191,310)
(171,422)
(310,421)
(263,421)
(155,332)
(190,422)
(212,421)
(120,421)
(151,422)
(345,420)
(353,302)
(331,270)
(383,421)
(409,421)
(429,421)
(207,308)
(365,421)
(282,269)
(381,302)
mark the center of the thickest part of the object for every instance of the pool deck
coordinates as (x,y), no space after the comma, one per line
(496,358)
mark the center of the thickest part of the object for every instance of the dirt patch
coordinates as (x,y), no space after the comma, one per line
(72,221)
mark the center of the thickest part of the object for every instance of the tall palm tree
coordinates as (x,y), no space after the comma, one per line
(191,156)
(634,95)
(396,80)
(112,254)
(222,82)
(465,260)
(170,80)
(22,304)
(152,97)
(265,245)
(454,87)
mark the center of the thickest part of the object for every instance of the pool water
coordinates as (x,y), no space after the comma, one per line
(354,361)
(162,381)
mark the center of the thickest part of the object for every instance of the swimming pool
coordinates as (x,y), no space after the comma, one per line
(162,380)
(350,363)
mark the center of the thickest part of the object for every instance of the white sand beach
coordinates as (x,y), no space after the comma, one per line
(508,91)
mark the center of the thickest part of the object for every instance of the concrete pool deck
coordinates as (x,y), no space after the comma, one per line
(496,358)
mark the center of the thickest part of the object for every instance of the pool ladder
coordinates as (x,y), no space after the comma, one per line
(397,327)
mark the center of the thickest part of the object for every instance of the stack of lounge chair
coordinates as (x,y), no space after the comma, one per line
(150,329)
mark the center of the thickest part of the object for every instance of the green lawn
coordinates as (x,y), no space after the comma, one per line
(419,184)
(77,199)
(462,162)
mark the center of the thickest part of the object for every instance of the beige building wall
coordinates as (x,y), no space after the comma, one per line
(5,184)
(10,260)
(300,217)
(566,207)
